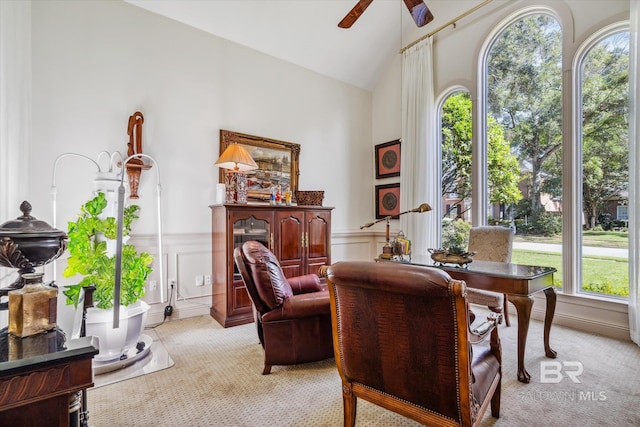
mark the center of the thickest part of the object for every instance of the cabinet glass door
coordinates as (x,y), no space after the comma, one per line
(248,229)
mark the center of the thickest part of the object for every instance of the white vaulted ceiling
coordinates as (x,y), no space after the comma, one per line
(305,32)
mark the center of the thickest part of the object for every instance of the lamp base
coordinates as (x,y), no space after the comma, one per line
(387,251)
(241,188)
(230,187)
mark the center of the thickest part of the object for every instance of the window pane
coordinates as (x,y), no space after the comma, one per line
(525,138)
(605,170)
(456,126)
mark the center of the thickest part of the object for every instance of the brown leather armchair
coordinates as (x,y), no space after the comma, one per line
(402,341)
(292,315)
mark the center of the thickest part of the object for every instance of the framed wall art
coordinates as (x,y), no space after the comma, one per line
(388,159)
(277,163)
(388,201)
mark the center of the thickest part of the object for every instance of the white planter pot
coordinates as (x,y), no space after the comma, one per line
(116,342)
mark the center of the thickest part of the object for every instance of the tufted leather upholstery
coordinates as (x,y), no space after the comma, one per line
(271,285)
(402,341)
(292,314)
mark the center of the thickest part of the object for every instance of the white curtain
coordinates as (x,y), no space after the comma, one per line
(15,105)
(15,113)
(634,176)
(418,156)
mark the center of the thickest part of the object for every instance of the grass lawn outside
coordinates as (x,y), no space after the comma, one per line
(604,239)
(600,275)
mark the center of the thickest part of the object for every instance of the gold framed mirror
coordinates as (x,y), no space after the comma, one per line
(278,163)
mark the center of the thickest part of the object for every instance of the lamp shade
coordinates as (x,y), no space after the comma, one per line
(236,158)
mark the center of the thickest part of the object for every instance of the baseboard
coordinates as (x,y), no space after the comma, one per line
(182,310)
(606,329)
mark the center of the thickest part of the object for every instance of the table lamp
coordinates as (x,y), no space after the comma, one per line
(387,249)
(237,160)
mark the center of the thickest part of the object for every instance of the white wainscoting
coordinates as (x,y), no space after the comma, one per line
(187,256)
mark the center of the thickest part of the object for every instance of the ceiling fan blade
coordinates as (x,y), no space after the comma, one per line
(354,13)
(419,12)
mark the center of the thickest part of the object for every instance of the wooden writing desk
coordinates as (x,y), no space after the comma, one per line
(520,283)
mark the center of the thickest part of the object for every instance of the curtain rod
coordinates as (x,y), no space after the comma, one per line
(442,27)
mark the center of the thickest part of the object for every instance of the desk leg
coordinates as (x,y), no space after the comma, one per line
(550,293)
(523,306)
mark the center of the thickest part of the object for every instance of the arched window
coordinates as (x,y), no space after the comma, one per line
(602,126)
(522,142)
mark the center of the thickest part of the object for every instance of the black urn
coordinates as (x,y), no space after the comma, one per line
(27,243)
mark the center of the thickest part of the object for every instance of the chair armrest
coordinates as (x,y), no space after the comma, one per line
(303,305)
(486,298)
(480,332)
(305,284)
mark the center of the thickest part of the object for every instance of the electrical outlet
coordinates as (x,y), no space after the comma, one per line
(207,279)
(153,285)
(199,280)
(172,283)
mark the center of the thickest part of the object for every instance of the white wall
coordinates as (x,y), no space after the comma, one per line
(456,55)
(97,62)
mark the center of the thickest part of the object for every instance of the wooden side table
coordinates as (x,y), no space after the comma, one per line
(40,377)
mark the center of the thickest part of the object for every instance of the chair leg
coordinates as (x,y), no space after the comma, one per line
(505,311)
(495,401)
(349,402)
(266,370)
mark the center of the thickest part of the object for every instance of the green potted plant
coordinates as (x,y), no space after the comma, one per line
(455,235)
(89,257)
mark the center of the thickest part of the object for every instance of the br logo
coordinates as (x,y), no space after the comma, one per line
(552,372)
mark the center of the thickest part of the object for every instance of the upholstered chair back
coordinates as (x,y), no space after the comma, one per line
(492,243)
(401,341)
(267,287)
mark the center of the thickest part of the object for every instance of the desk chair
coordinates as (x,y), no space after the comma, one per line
(492,243)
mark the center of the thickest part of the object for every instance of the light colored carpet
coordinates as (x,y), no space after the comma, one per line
(217,381)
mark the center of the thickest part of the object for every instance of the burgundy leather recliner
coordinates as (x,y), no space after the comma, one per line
(293,315)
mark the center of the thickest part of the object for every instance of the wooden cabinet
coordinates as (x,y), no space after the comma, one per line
(304,240)
(299,236)
(41,377)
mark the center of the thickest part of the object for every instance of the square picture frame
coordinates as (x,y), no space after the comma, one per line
(388,201)
(388,159)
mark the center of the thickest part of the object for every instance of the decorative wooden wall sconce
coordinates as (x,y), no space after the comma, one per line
(135,166)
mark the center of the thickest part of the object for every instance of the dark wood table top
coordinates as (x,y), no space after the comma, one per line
(21,354)
(512,279)
(498,269)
